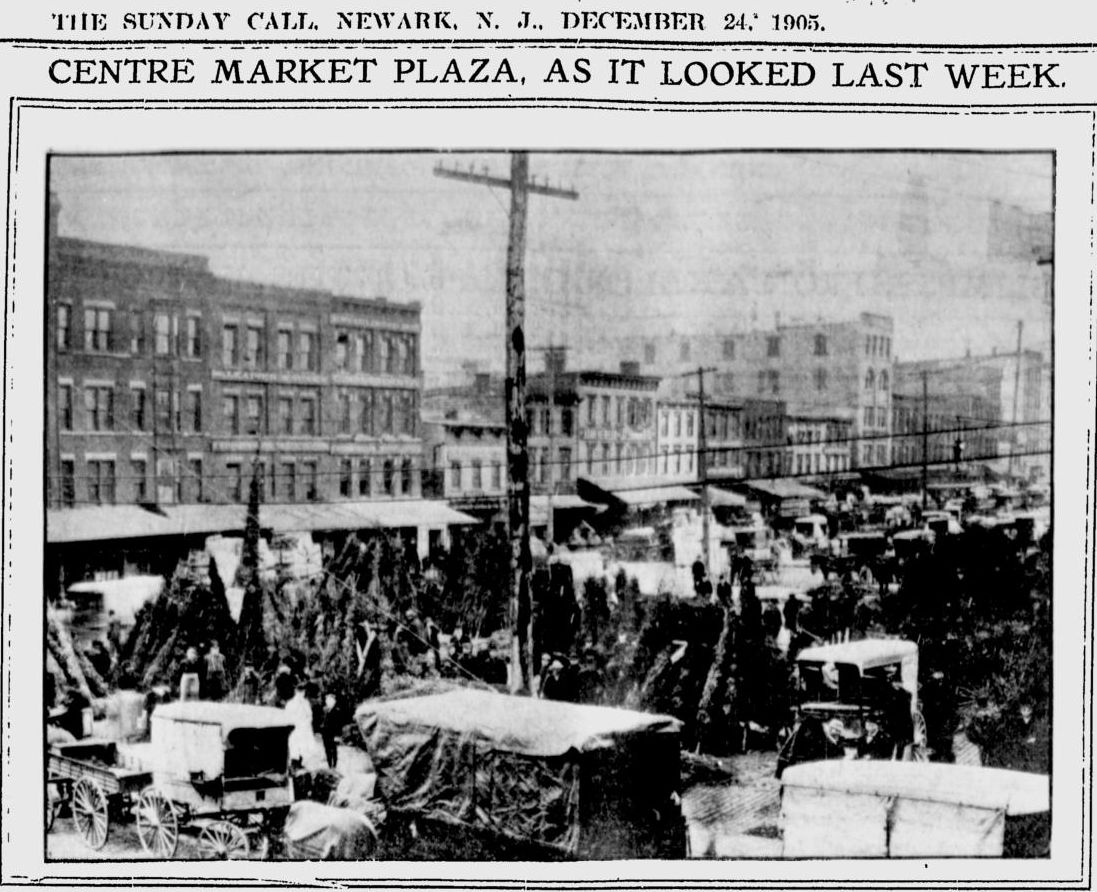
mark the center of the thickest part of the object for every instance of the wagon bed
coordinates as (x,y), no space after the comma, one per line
(97,761)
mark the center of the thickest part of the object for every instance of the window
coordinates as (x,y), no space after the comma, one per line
(365,471)
(565,463)
(870,379)
(285,415)
(365,351)
(683,351)
(820,345)
(455,476)
(883,379)
(773,345)
(761,381)
(477,475)
(411,414)
(194,480)
(605,410)
(253,350)
(234,481)
(605,458)
(161,331)
(497,475)
(162,409)
(868,345)
(137,332)
(193,345)
(285,348)
(99,407)
(403,352)
(230,346)
(64,327)
(311,476)
(344,413)
(620,452)
(306,351)
(365,412)
(68,482)
(101,482)
(64,406)
(729,348)
(387,410)
(289,479)
(139,472)
(820,379)
(97,325)
(689,423)
(308,416)
(406,475)
(868,416)
(677,424)
(254,414)
(230,407)
(194,410)
(633,412)
(774,379)
(388,477)
(345,474)
(342,350)
(566,421)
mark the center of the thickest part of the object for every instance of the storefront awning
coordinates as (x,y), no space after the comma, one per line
(112,522)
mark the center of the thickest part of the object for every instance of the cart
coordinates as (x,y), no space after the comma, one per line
(854,688)
(87,778)
(222,770)
(475,775)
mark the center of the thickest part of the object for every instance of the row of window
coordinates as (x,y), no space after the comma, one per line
(364,411)
(243,345)
(875,416)
(171,409)
(815,463)
(872,380)
(543,422)
(606,411)
(664,422)
(98,485)
(285,481)
(479,472)
(877,345)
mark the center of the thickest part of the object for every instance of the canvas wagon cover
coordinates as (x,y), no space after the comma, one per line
(511,765)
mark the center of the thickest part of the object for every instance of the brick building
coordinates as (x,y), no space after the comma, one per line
(819,444)
(166,382)
(836,367)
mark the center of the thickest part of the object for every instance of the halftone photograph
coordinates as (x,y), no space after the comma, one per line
(538,505)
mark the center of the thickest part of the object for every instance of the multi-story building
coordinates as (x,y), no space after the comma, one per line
(819,444)
(967,421)
(842,368)
(467,457)
(765,437)
(676,439)
(166,383)
(597,424)
(1016,384)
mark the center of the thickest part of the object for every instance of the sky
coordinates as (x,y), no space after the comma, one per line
(654,243)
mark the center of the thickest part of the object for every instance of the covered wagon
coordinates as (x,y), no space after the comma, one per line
(474,774)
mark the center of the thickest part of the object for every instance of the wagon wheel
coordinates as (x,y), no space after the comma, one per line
(223,841)
(157,823)
(89,812)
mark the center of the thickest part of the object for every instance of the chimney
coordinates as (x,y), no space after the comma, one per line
(556,360)
(630,367)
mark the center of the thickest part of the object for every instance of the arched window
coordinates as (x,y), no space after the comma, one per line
(870,379)
(883,379)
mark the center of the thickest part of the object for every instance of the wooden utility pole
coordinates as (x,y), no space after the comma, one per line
(702,467)
(521,608)
(925,440)
(1016,394)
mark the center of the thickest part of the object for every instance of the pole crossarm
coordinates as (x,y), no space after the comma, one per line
(487,179)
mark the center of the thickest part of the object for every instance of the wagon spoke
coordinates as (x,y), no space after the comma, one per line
(157,824)
(89,812)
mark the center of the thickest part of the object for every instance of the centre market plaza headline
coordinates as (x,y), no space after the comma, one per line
(480,67)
